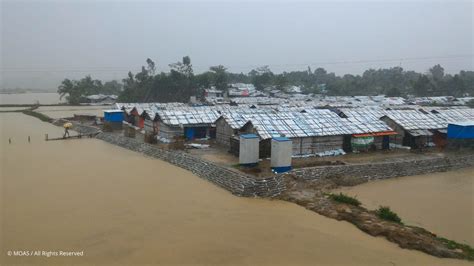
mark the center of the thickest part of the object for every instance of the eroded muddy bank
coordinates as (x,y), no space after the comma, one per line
(313,195)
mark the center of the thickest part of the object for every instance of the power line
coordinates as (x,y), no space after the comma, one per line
(317,63)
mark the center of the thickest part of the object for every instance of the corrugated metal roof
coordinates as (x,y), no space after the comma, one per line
(420,132)
(195,116)
(414,119)
(321,122)
(455,114)
(367,119)
(303,119)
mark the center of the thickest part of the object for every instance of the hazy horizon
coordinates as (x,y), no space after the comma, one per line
(43,42)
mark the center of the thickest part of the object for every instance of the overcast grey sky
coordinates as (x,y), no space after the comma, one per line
(44,42)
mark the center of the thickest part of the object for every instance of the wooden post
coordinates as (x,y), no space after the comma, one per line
(46,137)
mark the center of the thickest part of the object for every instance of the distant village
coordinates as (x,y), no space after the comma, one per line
(241,93)
(247,94)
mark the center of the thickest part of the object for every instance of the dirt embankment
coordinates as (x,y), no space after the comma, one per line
(313,196)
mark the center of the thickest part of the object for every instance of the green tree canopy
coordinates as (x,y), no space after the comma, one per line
(180,82)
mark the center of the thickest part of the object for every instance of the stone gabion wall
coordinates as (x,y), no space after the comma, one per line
(385,170)
(238,183)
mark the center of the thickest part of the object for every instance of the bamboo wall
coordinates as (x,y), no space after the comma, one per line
(169,132)
(312,145)
(395,139)
(223,132)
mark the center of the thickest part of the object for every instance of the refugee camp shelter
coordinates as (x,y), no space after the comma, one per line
(426,126)
(315,132)
(377,132)
(227,126)
(137,116)
(101,99)
(191,123)
(461,130)
(316,125)
(231,120)
(113,119)
(461,134)
(415,129)
(213,93)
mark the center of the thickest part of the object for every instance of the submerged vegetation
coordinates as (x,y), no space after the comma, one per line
(385,213)
(342,198)
(31,112)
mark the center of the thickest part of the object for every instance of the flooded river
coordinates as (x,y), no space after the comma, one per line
(442,202)
(118,206)
(31,98)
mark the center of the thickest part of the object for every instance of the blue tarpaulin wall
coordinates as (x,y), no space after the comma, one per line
(195,132)
(189,132)
(460,131)
(113,116)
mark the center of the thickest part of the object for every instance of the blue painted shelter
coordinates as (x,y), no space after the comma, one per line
(461,130)
(113,116)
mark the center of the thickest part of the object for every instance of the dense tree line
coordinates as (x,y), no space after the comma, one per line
(180,83)
(393,81)
(147,86)
(75,91)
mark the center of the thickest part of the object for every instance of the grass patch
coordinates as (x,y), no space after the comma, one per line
(345,199)
(40,116)
(468,250)
(385,213)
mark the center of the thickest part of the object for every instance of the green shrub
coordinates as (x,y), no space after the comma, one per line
(385,213)
(344,199)
(468,250)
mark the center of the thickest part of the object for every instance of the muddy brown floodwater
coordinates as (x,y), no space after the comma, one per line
(121,207)
(441,202)
(31,98)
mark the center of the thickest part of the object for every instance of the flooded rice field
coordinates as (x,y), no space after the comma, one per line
(31,98)
(441,202)
(118,206)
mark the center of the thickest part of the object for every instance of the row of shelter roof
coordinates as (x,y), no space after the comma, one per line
(247,93)
(341,101)
(312,130)
(417,128)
